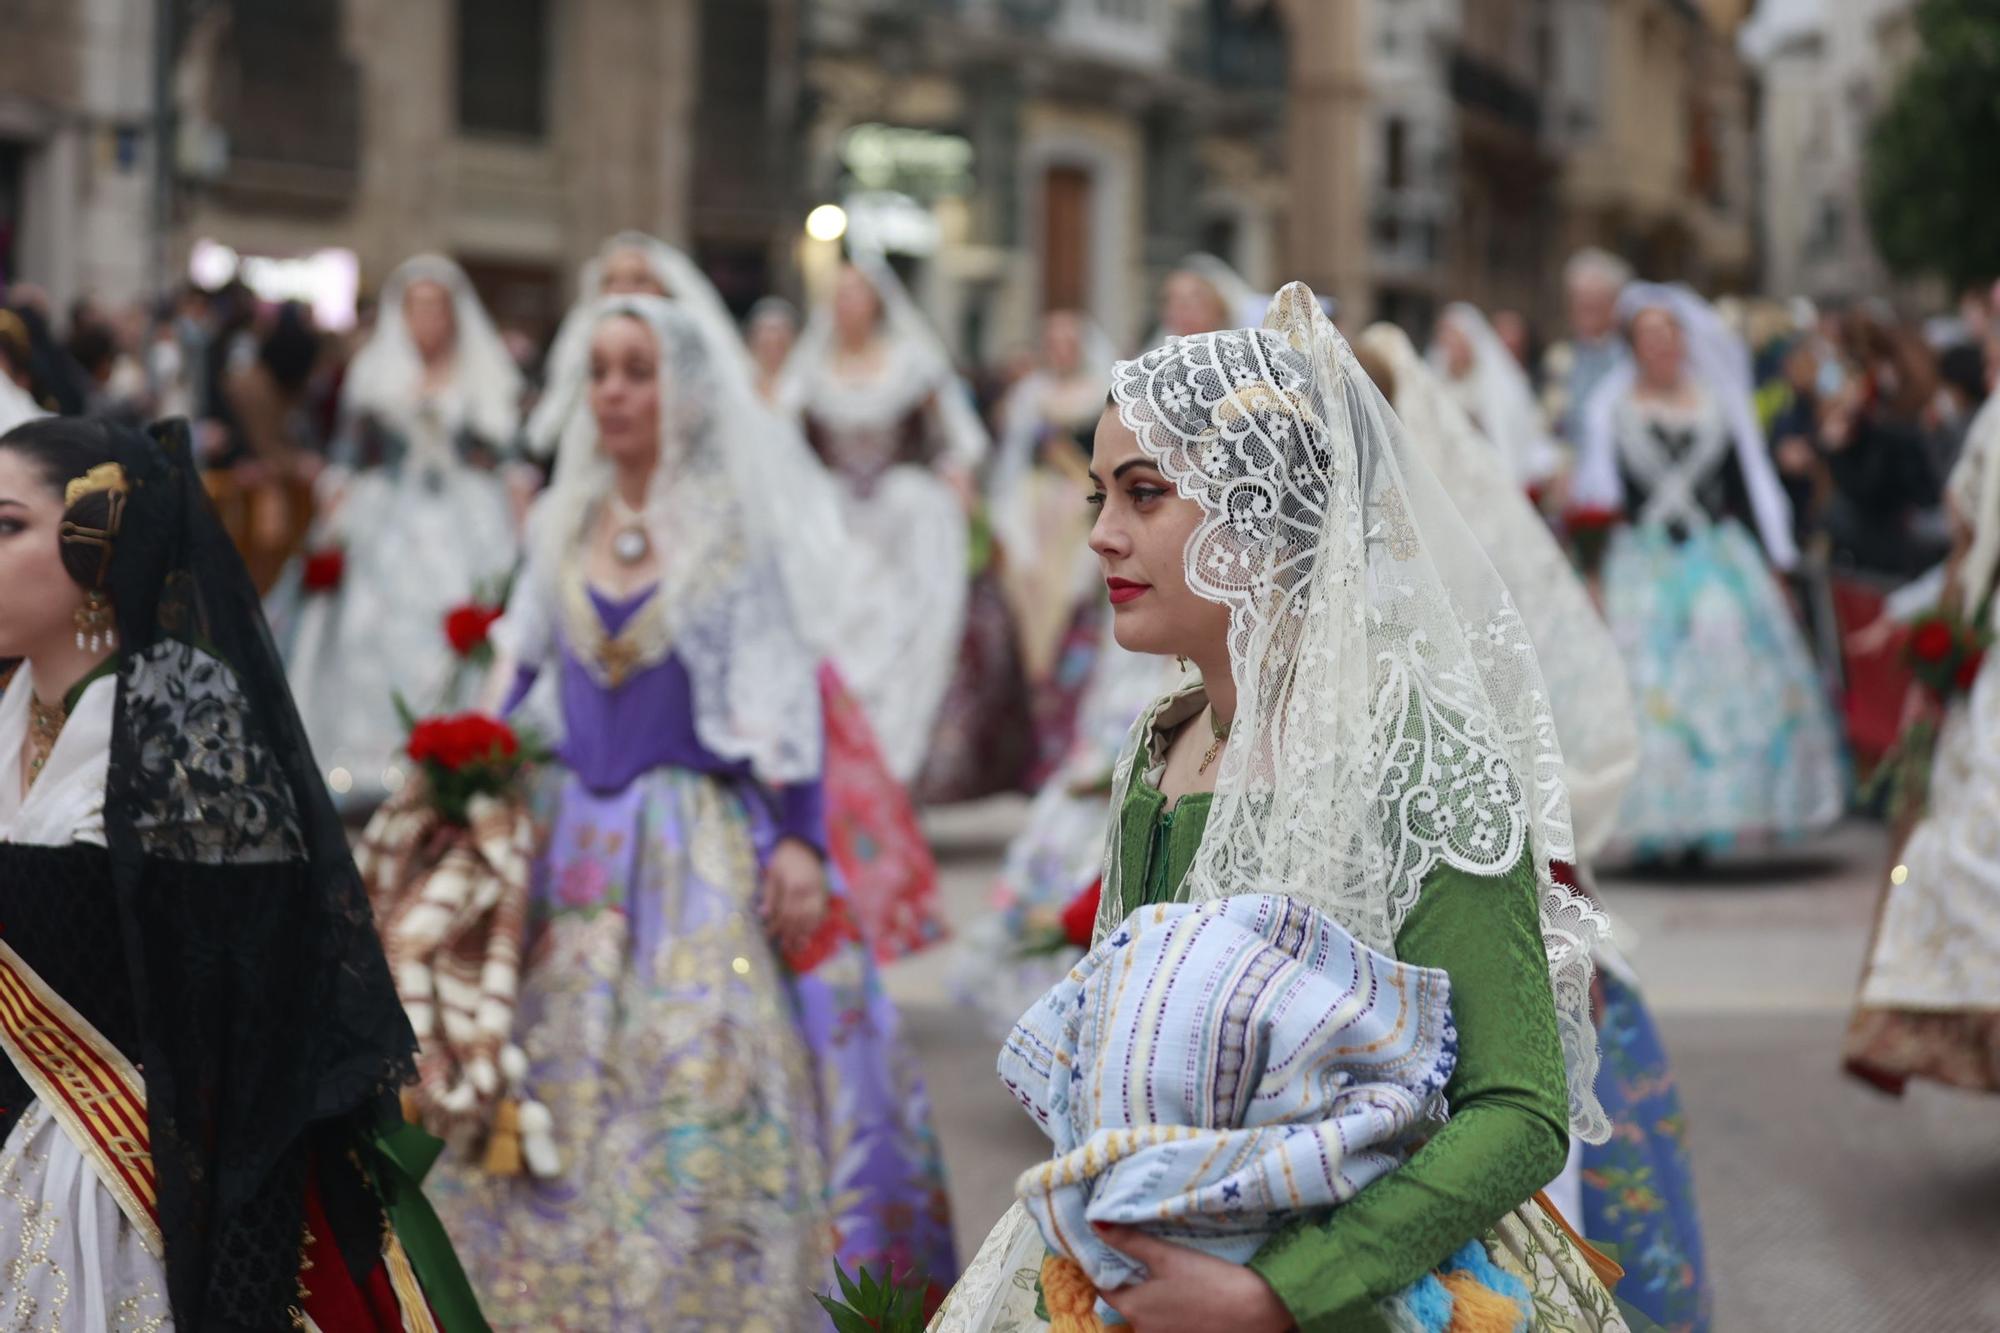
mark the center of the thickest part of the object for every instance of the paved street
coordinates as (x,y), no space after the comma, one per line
(1828,1208)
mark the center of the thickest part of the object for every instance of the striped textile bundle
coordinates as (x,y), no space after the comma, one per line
(451,905)
(1208,1072)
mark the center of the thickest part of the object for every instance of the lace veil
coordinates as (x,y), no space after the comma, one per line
(750,533)
(1391,715)
(919,368)
(266,1005)
(1718,360)
(1579,658)
(568,362)
(386,378)
(1509,414)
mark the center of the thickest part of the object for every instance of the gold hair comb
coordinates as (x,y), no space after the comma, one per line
(104,477)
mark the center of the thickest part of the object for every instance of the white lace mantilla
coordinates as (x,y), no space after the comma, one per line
(1391,713)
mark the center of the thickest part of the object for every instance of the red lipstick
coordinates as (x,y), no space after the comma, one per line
(1125,590)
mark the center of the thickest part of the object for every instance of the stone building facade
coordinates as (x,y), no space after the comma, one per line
(1826,68)
(78,148)
(511,134)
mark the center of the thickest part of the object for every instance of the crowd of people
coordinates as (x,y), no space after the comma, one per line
(1333,670)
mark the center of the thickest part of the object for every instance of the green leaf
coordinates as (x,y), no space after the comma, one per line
(847,1287)
(844,1319)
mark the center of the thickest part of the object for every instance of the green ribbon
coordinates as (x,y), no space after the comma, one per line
(402,1157)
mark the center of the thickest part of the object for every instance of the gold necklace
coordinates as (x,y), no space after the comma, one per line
(1220,730)
(45,724)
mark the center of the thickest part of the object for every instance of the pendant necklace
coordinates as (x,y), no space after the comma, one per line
(1220,730)
(45,724)
(629,543)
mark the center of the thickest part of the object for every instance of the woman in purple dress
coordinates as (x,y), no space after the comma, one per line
(733,1106)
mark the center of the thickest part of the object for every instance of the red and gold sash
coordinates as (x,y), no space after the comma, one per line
(93,1091)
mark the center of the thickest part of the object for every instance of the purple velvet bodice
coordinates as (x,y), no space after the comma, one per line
(615,735)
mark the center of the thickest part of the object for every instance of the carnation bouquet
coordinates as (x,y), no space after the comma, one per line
(1944,651)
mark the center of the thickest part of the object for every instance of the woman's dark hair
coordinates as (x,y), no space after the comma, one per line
(291,349)
(62,449)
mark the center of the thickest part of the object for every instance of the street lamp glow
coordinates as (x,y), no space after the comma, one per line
(828,222)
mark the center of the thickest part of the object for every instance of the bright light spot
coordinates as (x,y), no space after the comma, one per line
(340,780)
(828,222)
(1899,874)
(740,966)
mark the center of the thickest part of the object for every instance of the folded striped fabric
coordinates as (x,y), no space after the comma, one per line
(1210,1072)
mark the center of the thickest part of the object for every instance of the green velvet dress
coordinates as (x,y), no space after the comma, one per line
(1508,1135)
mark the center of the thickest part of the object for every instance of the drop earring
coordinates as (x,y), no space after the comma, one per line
(96,627)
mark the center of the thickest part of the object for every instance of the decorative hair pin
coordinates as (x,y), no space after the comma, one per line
(96,624)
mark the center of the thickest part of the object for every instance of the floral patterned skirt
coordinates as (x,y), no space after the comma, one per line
(726,1125)
(1736,736)
(1638,1189)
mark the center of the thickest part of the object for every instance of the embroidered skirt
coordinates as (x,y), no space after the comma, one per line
(725,1125)
(1736,736)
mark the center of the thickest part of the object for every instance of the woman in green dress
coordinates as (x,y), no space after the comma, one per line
(1372,738)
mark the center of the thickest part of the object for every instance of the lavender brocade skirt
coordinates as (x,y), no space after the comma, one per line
(726,1126)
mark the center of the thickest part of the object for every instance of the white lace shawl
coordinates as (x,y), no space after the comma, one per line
(1391,712)
(1579,658)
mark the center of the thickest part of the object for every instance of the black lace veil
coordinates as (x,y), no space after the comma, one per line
(270,1027)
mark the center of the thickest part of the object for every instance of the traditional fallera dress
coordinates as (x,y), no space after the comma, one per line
(1351,1268)
(1392,767)
(927,643)
(872,828)
(728,1120)
(1929,1006)
(1736,735)
(420,510)
(199,1044)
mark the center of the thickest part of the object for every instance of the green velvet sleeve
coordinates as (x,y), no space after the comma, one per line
(1509,1129)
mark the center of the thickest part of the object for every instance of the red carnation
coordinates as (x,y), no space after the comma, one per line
(324,569)
(1079,919)
(1968,670)
(1592,518)
(1932,642)
(466,626)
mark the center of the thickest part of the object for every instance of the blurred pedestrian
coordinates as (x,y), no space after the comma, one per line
(265,498)
(771,331)
(1572,368)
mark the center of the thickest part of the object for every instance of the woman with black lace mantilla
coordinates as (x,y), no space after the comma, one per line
(198,1105)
